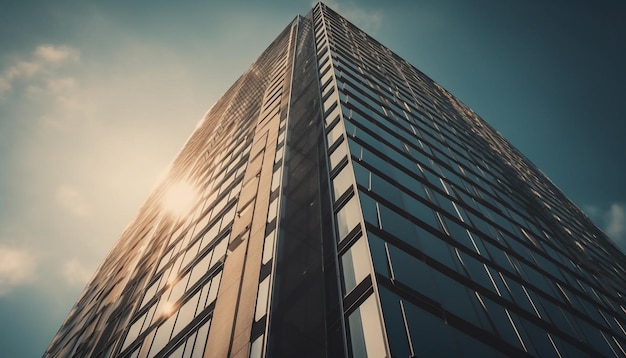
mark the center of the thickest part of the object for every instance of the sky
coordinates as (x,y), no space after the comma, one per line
(97,97)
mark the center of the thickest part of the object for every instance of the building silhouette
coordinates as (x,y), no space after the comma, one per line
(338,202)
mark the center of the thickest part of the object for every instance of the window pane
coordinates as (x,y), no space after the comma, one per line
(335,133)
(342,182)
(430,335)
(355,265)
(261,302)
(337,155)
(256,349)
(268,247)
(348,217)
(198,348)
(366,336)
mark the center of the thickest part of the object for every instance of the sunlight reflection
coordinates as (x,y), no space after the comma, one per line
(166,309)
(180,198)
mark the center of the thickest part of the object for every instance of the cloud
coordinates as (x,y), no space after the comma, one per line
(72,201)
(43,59)
(75,273)
(56,54)
(616,223)
(17,267)
(369,20)
(611,220)
(592,211)
(61,84)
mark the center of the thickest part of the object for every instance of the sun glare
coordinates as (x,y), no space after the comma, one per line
(166,309)
(180,198)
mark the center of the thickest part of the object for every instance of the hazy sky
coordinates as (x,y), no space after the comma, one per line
(96,98)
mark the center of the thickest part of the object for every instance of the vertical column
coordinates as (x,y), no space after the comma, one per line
(297,313)
(234,310)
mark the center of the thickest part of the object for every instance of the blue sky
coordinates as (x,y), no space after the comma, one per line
(96,98)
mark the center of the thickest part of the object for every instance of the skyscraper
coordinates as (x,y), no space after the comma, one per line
(338,202)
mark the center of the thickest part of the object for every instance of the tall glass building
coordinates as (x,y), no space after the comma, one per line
(338,202)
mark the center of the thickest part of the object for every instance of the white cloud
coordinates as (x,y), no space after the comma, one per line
(43,59)
(75,273)
(368,20)
(611,220)
(615,219)
(17,267)
(56,54)
(72,201)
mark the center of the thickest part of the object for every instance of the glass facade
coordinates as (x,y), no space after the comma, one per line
(338,202)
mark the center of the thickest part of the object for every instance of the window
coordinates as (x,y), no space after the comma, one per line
(355,264)
(268,247)
(348,217)
(335,133)
(366,335)
(256,348)
(342,181)
(337,155)
(262,298)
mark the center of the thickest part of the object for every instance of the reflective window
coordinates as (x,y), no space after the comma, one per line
(366,335)
(331,100)
(503,320)
(162,336)
(268,247)
(186,313)
(430,335)
(262,297)
(212,292)
(412,272)
(272,211)
(193,345)
(199,270)
(335,133)
(396,326)
(397,225)
(355,264)
(348,217)
(342,181)
(219,251)
(332,115)
(337,155)
(256,348)
(276,179)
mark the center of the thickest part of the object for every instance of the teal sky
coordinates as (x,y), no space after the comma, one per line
(96,98)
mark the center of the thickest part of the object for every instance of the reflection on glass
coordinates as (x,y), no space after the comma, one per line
(366,335)
(219,251)
(256,348)
(335,133)
(337,155)
(186,313)
(276,179)
(272,211)
(331,100)
(332,115)
(261,301)
(133,332)
(355,265)
(268,247)
(212,294)
(162,336)
(348,217)
(179,198)
(166,308)
(342,181)
(198,348)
